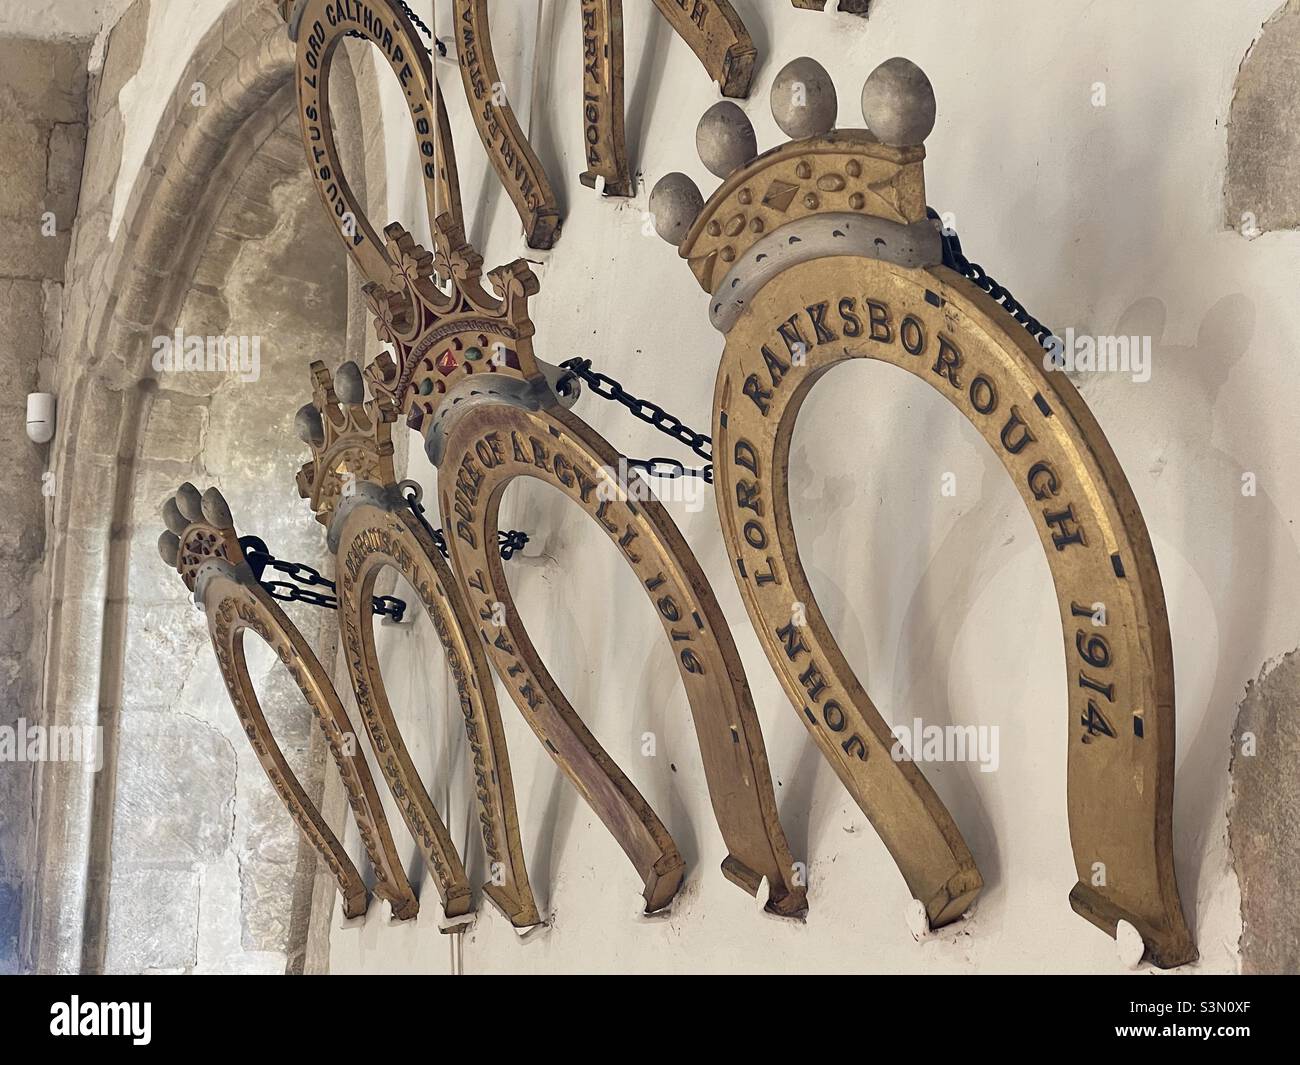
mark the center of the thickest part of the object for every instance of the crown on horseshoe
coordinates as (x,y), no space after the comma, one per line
(199,528)
(348,436)
(442,335)
(822,171)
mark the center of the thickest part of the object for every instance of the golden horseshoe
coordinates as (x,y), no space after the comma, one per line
(352,489)
(821,251)
(468,379)
(200,543)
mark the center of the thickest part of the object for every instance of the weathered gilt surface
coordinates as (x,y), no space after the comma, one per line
(351,485)
(719,39)
(201,543)
(320,26)
(485,452)
(513,158)
(826,304)
(602,97)
(467,377)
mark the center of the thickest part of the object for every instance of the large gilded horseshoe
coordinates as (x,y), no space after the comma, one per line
(819,252)
(351,485)
(317,27)
(488,448)
(469,363)
(512,157)
(201,544)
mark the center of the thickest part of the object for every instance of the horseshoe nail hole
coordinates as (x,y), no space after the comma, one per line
(735,734)
(837,232)
(1042,405)
(1139,728)
(1117,564)
(933,298)
(795,240)
(809,715)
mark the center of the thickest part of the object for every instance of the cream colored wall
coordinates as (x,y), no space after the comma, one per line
(1106,219)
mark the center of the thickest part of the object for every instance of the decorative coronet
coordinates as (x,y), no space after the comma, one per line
(350,438)
(439,337)
(199,529)
(876,172)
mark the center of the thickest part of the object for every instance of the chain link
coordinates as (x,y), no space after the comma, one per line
(304,578)
(419,24)
(955,260)
(508,542)
(606,387)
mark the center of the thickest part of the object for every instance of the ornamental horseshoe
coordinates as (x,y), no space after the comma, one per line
(352,489)
(326,23)
(200,543)
(490,411)
(436,338)
(714,32)
(821,251)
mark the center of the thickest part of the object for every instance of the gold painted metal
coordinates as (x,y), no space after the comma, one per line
(352,488)
(453,341)
(210,559)
(713,31)
(823,307)
(468,379)
(322,25)
(717,36)
(512,157)
(488,449)
(602,97)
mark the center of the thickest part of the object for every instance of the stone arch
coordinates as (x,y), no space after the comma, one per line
(133,286)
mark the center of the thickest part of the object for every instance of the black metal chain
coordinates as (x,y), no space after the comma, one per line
(304,578)
(606,387)
(419,24)
(508,542)
(955,260)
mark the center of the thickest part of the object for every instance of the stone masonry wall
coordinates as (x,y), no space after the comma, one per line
(42,139)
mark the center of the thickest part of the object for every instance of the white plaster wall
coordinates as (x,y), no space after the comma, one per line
(1108,219)
(59,18)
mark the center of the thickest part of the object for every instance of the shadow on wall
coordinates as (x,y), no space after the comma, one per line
(204,856)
